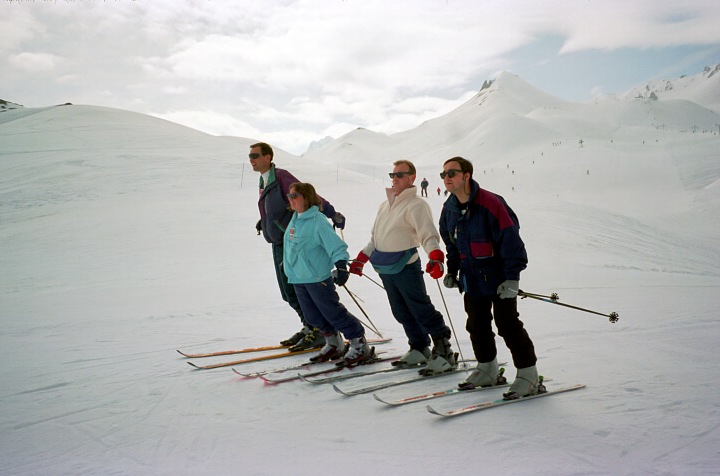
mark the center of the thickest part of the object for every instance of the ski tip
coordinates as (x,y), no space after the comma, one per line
(240,374)
(335,387)
(266,381)
(197,367)
(181,352)
(375,395)
(432,410)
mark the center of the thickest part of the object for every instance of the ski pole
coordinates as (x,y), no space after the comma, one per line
(374,328)
(371,279)
(462,358)
(554,298)
(356,296)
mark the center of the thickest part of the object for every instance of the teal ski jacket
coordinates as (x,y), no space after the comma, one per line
(311,248)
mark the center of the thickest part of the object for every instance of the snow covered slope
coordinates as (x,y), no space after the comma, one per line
(124,237)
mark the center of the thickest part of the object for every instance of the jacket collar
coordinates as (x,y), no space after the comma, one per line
(309,213)
(453,202)
(270,176)
(408,192)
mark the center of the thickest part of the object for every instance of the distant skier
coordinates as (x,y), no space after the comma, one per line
(423,187)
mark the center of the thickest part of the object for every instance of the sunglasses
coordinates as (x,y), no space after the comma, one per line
(450,173)
(254,156)
(294,195)
(398,174)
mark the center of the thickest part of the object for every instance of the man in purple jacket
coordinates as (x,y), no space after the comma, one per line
(485,256)
(275,214)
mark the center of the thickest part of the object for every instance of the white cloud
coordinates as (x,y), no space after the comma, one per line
(34,62)
(293,68)
(211,122)
(17,26)
(597,92)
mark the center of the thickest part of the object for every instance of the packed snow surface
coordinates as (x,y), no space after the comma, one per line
(124,238)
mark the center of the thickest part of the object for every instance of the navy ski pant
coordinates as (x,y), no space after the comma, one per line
(322,309)
(412,308)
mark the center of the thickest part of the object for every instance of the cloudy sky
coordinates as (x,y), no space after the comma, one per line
(292,71)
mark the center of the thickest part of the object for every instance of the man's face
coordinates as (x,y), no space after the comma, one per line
(456,183)
(260,163)
(401,183)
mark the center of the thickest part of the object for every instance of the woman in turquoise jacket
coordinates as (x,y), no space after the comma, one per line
(311,250)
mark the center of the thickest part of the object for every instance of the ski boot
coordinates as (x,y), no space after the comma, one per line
(413,358)
(442,360)
(334,348)
(359,353)
(527,383)
(487,374)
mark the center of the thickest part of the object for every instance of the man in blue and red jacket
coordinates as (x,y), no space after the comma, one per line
(275,214)
(485,256)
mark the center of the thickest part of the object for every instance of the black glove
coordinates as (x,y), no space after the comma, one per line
(340,274)
(338,221)
(258,226)
(450,281)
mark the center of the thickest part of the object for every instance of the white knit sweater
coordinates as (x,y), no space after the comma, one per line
(404,221)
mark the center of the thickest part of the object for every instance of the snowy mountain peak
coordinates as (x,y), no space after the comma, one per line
(510,93)
(5,105)
(702,88)
(316,144)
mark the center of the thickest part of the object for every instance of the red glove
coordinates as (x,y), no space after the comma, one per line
(356,265)
(435,266)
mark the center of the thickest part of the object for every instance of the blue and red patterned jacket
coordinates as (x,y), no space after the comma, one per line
(483,241)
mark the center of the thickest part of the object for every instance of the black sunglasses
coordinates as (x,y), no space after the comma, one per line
(398,174)
(450,173)
(254,156)
(294,195)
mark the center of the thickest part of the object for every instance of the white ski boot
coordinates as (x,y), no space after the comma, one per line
(526,383)
(334,348)
(487,374)
(413,358)
(443,358)
(358,353)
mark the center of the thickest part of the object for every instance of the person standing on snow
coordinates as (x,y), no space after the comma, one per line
(423,187)
(403,223)
(275,215)
(311,249)
(485,256)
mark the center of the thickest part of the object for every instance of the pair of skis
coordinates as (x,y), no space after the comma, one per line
(543,392)
(444,393)
(334,367)
(500,402)
(260,358)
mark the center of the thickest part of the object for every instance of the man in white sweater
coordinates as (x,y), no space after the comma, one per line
(403,223)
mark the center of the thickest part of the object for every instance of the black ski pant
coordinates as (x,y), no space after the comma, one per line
(480,311)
